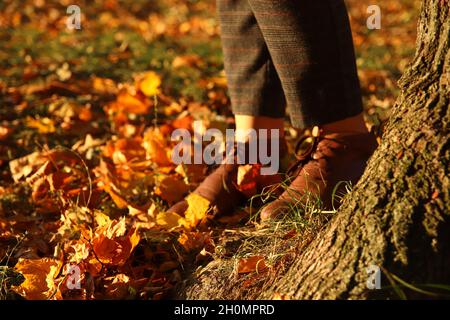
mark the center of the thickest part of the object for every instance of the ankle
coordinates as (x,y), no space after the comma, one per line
(250,127)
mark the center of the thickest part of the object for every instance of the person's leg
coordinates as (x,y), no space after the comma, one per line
(257,98)
(245,122)
(253,83)
(311,47)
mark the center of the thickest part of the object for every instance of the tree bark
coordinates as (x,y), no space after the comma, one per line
(398,215)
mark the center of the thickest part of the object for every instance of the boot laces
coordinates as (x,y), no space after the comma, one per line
(304,150)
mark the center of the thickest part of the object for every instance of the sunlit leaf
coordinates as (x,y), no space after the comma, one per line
(197,209)
(112,245)
(169,220)
(252,264)
(150,84)
(42,125)
(40,277)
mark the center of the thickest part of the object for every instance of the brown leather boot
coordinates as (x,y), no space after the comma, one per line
(323,162)
(221,189)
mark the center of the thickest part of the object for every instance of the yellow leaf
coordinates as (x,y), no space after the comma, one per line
(134,238)
(104,85)
(149,85)
(219,81)
(116,229)
(39,276)
(80,252)
(197,209)
(42,125)
(101,218)
(169,220)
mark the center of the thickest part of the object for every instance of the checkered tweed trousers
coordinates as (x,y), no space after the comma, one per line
(294,53)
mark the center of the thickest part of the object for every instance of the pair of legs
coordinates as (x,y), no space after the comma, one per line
(299,54)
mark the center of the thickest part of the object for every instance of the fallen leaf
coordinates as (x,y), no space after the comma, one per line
(87,143)
(190,60)
(40,277)
(197,209)
(184,122)
(116,287)
(252,264)
(23,167)
(111,245)
(79,252)
(169,220)
(129,103)
(118,199)
(101,219)
(124,151)
(104,86)
(5,132)
(195,240)
(156,147)
(150,84)
(42,125)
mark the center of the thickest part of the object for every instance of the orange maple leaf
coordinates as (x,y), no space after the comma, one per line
(40,277)
(112,245)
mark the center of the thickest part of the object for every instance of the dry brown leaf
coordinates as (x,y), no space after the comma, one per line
(116,287)
(118,199)
(23,167)
(123,151)
(87,143)
(252,264)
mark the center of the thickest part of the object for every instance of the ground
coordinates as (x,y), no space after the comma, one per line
(85,170)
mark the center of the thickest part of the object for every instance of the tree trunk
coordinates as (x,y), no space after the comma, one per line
(398,215)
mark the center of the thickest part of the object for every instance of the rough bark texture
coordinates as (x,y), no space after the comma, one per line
(398,216)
